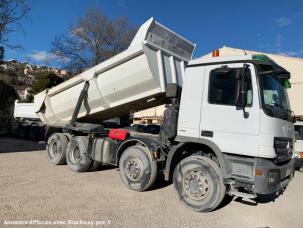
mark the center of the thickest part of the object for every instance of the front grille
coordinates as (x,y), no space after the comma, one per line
(283,148)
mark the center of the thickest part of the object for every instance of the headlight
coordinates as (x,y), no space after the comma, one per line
(273,177)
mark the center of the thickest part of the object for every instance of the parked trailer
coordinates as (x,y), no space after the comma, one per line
(28,123)
(226,128)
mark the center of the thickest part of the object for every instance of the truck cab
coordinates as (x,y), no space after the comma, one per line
(238,108)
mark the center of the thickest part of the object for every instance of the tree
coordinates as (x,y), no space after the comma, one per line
(8,95)
(92,39)
(12,12)
(1,53)
(7,78)
(44,80)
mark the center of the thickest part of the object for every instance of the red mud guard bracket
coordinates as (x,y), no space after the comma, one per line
(118,134)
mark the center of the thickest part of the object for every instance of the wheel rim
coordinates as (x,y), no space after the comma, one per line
(134,168)
(195,184)
(75,155)
(53,149)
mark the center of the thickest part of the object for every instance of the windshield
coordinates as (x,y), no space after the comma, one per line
(274,95)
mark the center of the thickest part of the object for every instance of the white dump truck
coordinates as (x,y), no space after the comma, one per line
(227,127)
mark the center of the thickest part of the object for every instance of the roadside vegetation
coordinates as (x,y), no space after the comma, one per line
(8,96)
(12,14)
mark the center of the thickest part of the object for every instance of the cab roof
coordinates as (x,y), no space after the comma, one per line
(207,60)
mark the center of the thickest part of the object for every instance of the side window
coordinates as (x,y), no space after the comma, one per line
(222,88)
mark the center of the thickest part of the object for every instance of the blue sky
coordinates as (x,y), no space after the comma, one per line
(267,26)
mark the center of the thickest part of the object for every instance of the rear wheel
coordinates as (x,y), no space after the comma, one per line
(56,148)
(137,171)
(77,154)
(199,183)
(301,169)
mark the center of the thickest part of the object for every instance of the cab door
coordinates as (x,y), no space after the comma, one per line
(221,120)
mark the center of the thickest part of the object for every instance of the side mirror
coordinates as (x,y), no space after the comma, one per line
(241,89)
(282,74)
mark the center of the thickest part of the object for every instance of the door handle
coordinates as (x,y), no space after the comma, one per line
(207,133)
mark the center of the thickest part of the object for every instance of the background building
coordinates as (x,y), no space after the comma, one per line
(149,116)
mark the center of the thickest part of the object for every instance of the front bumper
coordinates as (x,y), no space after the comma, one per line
(274,177)
(256,175)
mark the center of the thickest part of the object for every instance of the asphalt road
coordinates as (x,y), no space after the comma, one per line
(33,189)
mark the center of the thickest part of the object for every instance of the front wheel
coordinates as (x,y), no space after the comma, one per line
(137,170)
(199,183)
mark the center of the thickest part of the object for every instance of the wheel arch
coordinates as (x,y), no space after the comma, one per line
(186,142)
(131,142)
(49,130)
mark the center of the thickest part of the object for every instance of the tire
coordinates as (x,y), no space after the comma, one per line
(77,154)
(301,169)
(194,172)
(137,171)
(56,148)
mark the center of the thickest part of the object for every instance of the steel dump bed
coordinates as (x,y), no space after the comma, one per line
(132,80)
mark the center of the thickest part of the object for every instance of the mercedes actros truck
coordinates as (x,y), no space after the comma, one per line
(227,127)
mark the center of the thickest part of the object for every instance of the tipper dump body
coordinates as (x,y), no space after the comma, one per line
(132,80)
